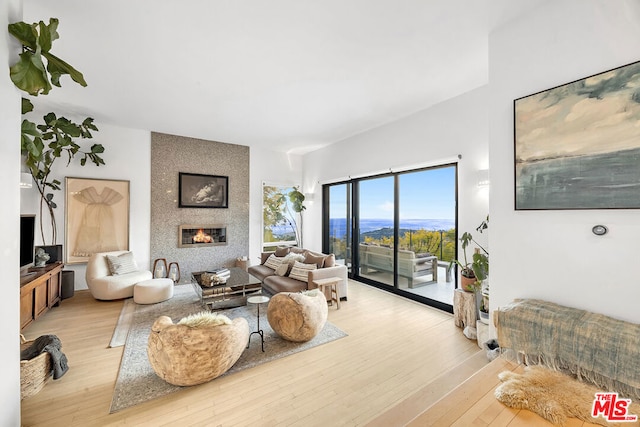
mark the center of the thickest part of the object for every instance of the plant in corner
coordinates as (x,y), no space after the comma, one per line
(475,271)
(42,144)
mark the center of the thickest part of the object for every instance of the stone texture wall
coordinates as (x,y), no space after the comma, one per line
(171,155)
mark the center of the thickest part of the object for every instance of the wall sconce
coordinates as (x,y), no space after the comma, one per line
(309,197)
(25,180)
(483,178)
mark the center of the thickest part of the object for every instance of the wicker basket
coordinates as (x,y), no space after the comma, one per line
(35,372)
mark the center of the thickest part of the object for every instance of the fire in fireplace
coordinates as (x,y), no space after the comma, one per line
(201,235)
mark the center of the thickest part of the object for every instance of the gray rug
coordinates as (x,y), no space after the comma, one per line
(138,383)
(121,330)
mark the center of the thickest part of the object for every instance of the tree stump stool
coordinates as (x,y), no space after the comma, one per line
(464,308)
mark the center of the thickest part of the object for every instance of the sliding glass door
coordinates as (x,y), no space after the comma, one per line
(397,231)
(337,238)
(376,228)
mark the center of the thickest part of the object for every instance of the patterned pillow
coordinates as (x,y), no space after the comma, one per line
(273,262)
(300,271)
(121,264)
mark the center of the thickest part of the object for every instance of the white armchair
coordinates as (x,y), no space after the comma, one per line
(104,285)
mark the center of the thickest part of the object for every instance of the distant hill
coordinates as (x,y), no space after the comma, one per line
(384,232)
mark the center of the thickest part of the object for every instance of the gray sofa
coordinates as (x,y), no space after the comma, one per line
(273,283)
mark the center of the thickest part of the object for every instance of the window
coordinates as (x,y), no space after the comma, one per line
(281,223)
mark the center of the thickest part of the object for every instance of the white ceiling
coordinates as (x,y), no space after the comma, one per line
(291,75)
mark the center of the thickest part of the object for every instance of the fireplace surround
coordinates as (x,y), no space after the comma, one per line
(195,236)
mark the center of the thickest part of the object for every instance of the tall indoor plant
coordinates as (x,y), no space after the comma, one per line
(476,270)
(43,143)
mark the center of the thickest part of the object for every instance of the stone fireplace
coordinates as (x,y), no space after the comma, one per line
(191,236)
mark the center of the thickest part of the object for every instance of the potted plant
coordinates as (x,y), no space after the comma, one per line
(476,270)
(57,136)
(483,311)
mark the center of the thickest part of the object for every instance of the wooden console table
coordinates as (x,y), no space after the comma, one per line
(39,292)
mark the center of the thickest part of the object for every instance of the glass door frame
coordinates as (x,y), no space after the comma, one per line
(353,189)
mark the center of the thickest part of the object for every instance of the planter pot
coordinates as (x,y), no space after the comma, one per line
(467,283)
(484,317)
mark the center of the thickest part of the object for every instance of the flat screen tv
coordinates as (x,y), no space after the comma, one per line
(27,241)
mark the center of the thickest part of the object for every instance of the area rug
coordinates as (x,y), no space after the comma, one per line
(121,330)
(553,395)
(138,383)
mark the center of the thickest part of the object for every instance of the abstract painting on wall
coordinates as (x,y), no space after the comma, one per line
(577,146)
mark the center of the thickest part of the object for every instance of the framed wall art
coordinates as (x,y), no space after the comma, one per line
(96,217)
(203,191)
(577,146)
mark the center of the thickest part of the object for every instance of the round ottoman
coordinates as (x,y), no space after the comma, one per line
(152,291)
(297,317)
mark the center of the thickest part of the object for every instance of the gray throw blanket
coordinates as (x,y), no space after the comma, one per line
(52,345)
(596,348)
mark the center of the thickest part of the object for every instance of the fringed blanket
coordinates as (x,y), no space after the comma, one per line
(596,348)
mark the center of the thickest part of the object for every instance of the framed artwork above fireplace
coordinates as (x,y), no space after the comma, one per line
(203,191)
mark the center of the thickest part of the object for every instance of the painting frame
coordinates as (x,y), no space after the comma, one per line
(577,146)
(97,217)
(195,191)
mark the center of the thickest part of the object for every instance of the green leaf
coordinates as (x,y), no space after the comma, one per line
(68,127)
(44,37)
(57,67)
(24,33)
(27,106)
(48,34)
(29,74)
(29,128)
(97,148)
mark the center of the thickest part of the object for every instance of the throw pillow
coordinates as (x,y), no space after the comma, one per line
(273,262)
(297,250)
(121,264)
(282,269)
(292,258)
(309,258)
(300,271)
(282,251)
(205,319)
(330,261)
(423,255)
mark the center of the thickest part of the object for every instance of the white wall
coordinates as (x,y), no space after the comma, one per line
(273,168)
(10,11)
(127,156)
(552,254)
(433,136)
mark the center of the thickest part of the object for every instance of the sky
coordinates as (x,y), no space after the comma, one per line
(428,194)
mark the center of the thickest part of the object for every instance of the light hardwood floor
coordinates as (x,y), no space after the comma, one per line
(399,359)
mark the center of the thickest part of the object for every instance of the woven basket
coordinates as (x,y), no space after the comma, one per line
(35,372)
